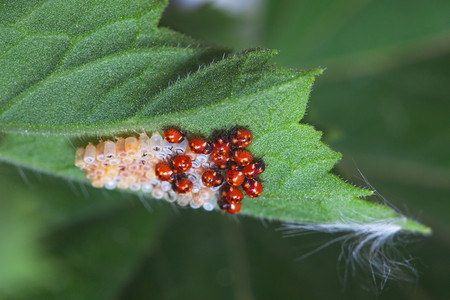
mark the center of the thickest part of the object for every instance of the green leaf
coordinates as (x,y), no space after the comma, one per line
(359,36)
(72,71)
(22,260)
(62,240)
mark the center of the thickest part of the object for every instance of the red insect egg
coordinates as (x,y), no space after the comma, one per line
(252,188)
(164,172)
(246,183)
(235,177)
(253,170)
(181,163)
(212,178)
(234,208)
(242,157)
(220,160)
(223,167)
(260,167)
(221,145)
(235,166)
(183,186)
(198,145)
(208,149)
(173,135)
(241,138)
(223,204)
(231,208)
(135,163)
(232,194)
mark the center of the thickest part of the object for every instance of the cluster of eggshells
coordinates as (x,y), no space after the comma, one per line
(175,169)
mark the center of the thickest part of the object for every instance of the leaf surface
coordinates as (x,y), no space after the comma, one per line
(73,71)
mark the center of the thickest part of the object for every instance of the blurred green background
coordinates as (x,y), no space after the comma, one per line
(383,102)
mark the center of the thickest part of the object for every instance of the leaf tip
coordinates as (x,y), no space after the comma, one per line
(415,227)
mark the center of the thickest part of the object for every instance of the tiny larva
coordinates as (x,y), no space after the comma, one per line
(192,172)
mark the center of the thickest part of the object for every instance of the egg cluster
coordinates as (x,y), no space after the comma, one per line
(189,172)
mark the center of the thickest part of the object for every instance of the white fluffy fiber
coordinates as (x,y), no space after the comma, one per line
(372,246)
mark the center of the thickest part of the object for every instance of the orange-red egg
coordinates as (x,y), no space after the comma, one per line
(253,170)
(220,160)
(181,163)
(208,149)
(242,157)
(241,138)
(212,178)
(235,166)
(221,144)
(252,188)
(232,194)
(231,208)
(173,135)
(223,203)
(198,145)
(235,177)
(164,172)
(183,186)
(234,208)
